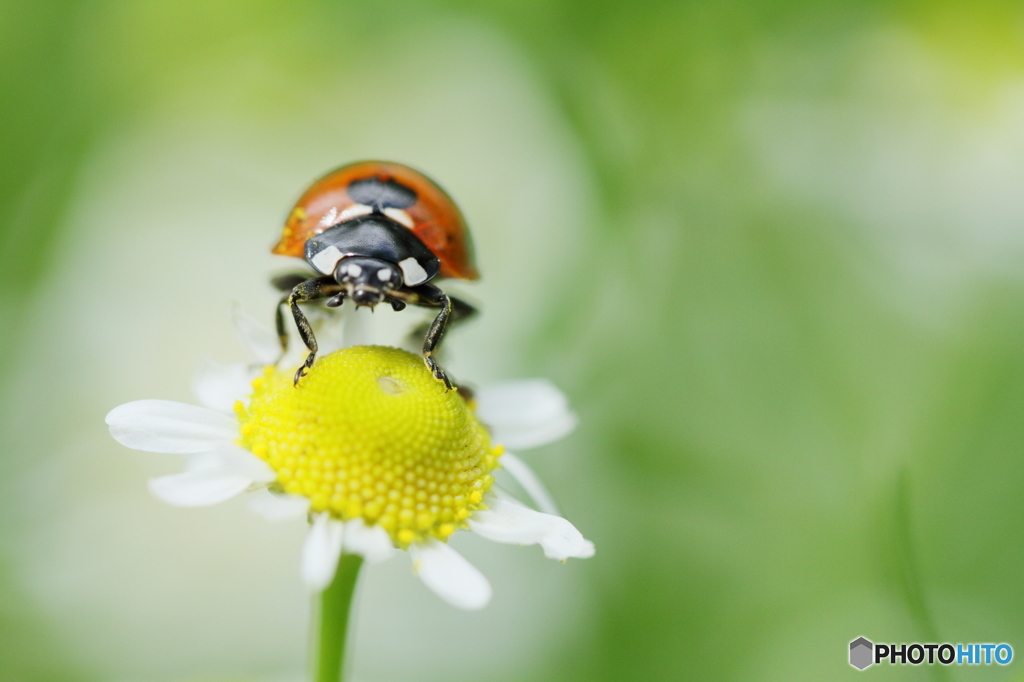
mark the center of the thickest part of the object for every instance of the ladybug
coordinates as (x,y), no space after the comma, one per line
(376,232)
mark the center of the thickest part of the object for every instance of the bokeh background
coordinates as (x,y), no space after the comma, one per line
(774,252)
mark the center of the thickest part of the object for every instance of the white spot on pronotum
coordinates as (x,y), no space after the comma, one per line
(355,210)
(330,218)
(325,261)
(354,270)
(413,271)
(384,274)
(399,216)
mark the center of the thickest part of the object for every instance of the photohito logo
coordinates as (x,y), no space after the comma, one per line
(863,653)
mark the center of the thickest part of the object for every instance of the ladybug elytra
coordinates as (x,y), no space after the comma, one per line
(376,232)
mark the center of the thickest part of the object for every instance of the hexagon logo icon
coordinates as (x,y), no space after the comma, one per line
(860,653)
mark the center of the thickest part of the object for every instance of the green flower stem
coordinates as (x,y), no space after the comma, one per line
(335,605)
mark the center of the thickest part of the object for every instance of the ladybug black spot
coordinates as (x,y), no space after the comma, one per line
(381,194)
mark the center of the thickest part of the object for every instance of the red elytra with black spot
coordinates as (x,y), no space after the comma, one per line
(436,219)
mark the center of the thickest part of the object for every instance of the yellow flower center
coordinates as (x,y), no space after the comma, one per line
(370,433)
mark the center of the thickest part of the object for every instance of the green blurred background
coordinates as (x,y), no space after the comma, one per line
(772,251)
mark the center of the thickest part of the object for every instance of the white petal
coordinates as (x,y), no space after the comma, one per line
(370,542)
(526,413)
(510,522)
(449,575)
(199,487)
(218,386)
(259,339)
(533,486)
(321,552)
(244,463)
(279,506)
(203,460)
(167,426)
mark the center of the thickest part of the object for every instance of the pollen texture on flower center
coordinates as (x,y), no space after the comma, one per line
(369,433)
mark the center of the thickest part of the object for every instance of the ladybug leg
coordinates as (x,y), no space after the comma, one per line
(431,340)
(285,283)
(282,331)
(460,311)
(310,290)
(432,296)
(452,310)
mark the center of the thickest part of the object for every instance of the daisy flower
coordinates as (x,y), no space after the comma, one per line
(372,450)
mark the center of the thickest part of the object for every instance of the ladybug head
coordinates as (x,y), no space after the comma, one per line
(367,281)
